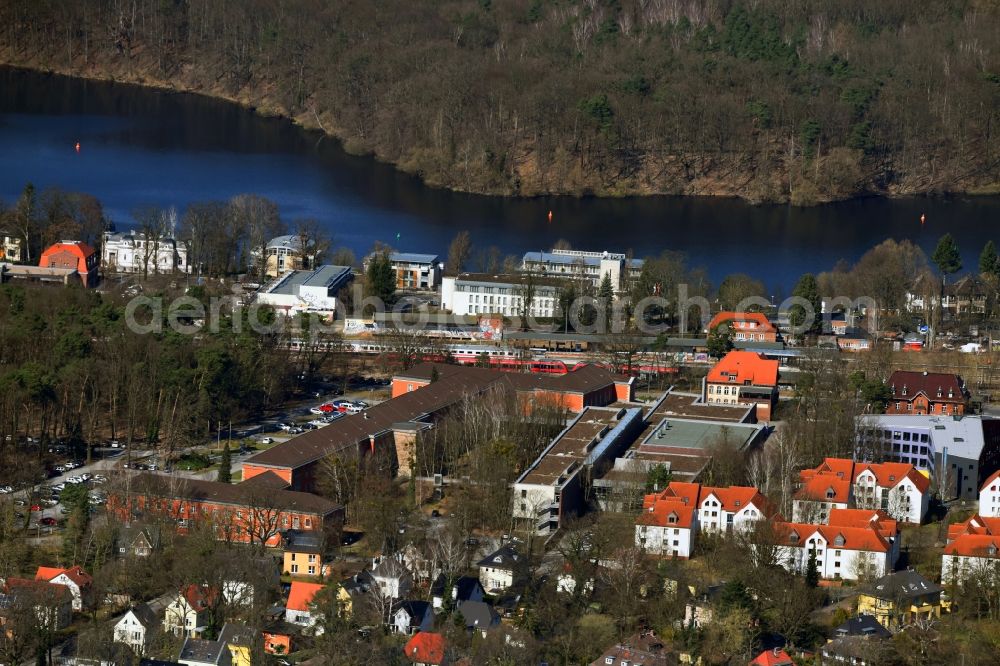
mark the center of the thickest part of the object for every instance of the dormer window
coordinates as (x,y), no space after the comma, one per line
(830,493)
(839,541)
(939,392)
(951,393)
(892,477)
(738,503)
(793,537)
(672,518)
(904,389)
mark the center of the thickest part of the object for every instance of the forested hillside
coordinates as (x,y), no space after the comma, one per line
(802,100)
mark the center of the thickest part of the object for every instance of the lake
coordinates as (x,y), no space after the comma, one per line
(140,147)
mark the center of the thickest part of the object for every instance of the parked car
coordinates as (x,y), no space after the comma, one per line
(6,490)
(285,426)
(354,408)
(362,404)
(47,521)
(152,467)
(330,418)
(316,410)
(36,507)
(267,440)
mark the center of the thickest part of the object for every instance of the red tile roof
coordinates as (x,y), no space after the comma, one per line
(740,367)
(81,252)
(53,591)
(735,498)
(657,510)
(301,595)
(995,476)
(975,525)
(425,648)
(74,573)
(775,657)
(199,597)
(974,545)
(878,520)
(743,321)
(855,538)
(818,488)
(891,474)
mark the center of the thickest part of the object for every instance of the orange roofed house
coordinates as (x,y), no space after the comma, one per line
(74,578)
(743,378)
(926,393)
(898,489)
(72,254)
(973,549)
(749,326)
(426,648)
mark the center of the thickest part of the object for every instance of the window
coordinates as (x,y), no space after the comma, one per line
(295,568)
(609,660)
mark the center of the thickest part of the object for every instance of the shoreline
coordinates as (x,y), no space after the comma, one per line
(312,122)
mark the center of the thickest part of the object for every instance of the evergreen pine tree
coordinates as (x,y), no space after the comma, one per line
(807,289)
(225,466)
(947,257)
(989,261)
(812,572)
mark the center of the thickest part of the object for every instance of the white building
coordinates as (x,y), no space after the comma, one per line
(129,252)
(729,509)
(973,550)
(667,528)
(482,293)
(896,488)
(283,254)
(849,553)
(391,577)
(582,265)
(306,291)
(416,271)
(187,614)
(499,569)
(135,628)
(10,247)
(989,496)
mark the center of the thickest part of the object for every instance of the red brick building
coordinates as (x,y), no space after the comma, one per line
(926,393)
(75,255)
(254,511)
(419,403)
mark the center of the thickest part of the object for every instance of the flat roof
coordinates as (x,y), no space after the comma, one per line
(962,435)
(413,258)
(571,446)
(570,257)
(509,278)
(698,435)
(324,276)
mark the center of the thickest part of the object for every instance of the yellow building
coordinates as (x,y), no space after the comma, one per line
(238,639)
(303,555)
(901,598)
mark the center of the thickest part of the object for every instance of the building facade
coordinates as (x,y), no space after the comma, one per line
(416,271)
(73,255)
(306,291)
(132,252)
(584,266)
(505,295)
(920,393)
(743,378)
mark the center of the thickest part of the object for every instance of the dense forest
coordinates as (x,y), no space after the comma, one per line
(771,100)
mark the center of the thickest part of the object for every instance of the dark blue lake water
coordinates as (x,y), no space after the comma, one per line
(142,147)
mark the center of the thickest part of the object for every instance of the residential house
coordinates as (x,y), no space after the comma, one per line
(139,541)
(973,549)
(989,496)
(854,339)
(900,598)
(876,519)
(896,488)
(772,657)
(298,608)
(463,588)
(74,578)
(352,589)
(133,252)
(642,649)
(862,625)
(666,527)
(277,637)
(853,650)
(926,393)
(303,554)
(479,616)
(698,611)
(966,295)
(201,652)
(136,628)
(52,604)
(10,247)
(283,254)
(75,255)
(239,640)
(410,616)
(189,612)
(415,271)
(500,569)
(848,553)
(745,326)
(426,649)
(743,378)
(391,577)
(899,489)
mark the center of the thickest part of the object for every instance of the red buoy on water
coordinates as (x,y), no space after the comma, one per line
(550,217)
(77,146)
(923,218)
